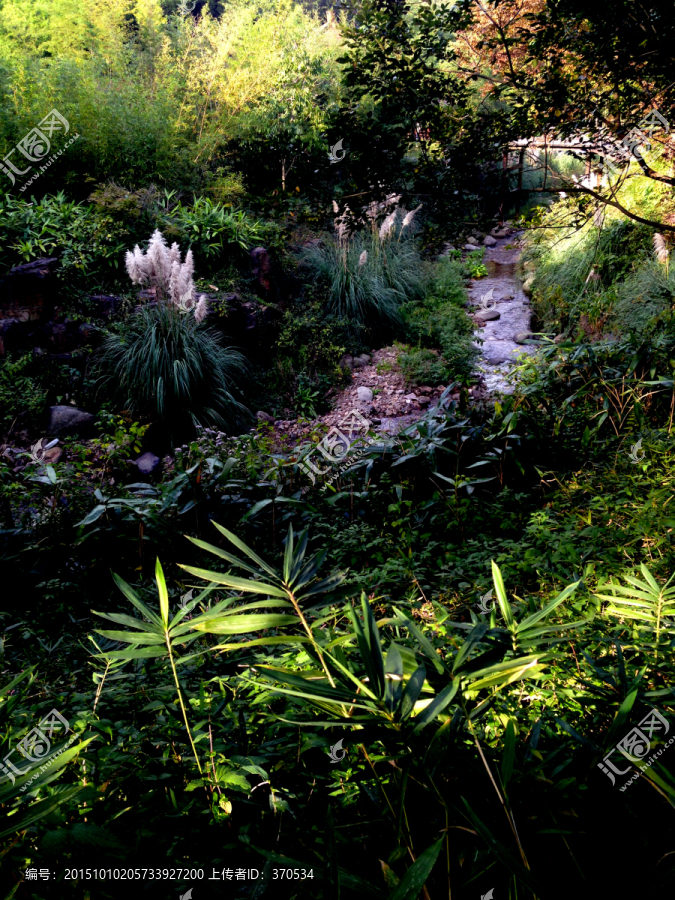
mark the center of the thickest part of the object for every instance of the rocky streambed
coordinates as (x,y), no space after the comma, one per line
(501,310)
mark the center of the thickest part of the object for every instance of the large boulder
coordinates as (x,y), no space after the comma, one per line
(69,420)
(27,291)
(27,300)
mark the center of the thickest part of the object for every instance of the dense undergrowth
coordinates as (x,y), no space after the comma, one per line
(416,526)
(408,681)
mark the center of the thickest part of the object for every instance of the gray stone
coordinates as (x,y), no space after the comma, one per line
(69,420)
(264,417)
(364,394)
(488,315)
(489,241)
(364,358)
(148,463)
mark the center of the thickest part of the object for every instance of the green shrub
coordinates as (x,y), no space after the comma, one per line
(644,299)
(440,322)
(21,395)
(212,229)
(165,366)
(566,257)
(312,343)
(422,366)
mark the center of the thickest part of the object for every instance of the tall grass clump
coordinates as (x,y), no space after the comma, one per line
(165,365)
(579,267)
(370,273)
(646,298)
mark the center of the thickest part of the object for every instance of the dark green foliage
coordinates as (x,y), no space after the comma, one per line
(165,366)
(439,322)
(645,301)
(22,397)
(423,366)
(391,728)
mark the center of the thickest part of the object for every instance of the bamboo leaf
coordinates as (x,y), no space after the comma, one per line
(122,619)
(265,642)
(130,637)
(436,706)
(415,878)
(141,653)
(131,596)
(163,593)
(223,554)
(288,555)
(240,545)
(239,584)
(244,624)
(504,604)
(412,692)
(536,617)
(509,754)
